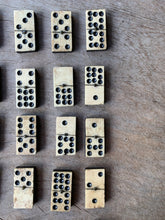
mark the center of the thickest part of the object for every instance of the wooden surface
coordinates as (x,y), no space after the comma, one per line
(134,111)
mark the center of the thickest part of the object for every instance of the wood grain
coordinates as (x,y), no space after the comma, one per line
(133,110)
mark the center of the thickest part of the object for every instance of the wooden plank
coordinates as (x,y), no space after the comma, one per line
(133,110)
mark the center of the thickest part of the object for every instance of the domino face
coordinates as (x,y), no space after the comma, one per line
(26,135)
(95,138)
(23,188)
(96,30)
(65,136)
(24,31)
(61,31)
(61,191)
(63,86)
(94,85)
(25,88)
(94,188)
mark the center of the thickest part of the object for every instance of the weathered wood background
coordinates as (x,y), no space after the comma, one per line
(134,109)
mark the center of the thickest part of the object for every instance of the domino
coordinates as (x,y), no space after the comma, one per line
(23,188)
(95,179)
(96,30)
(65,136)
(94,85)
(94,188)
(61,191)
(63,86)
(24,31)
(61,31)
(25,88)
(95,138)
(26,135)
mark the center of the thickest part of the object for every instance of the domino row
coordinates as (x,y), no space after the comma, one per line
(61,30)
(61,189)
(26,136)
(63,87)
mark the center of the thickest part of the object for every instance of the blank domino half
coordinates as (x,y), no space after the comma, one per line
(65,136)
(23,188)
(61,191)
(24,31)
(63,86)
(26,135)
(95,138)
(94,85)
(61,31)
(94,188)
(25,88)
(96,30)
